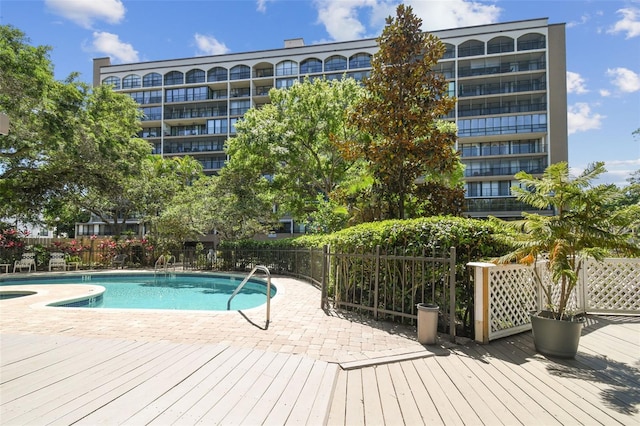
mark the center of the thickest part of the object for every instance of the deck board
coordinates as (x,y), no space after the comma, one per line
(506,382)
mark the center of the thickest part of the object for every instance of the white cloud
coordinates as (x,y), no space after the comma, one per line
(208,45)
(575,83)
(605,93)
(580,118)
(342,19)
(110,45)
(438,15)
(85,12)
(262,5)
(624,79)
(583,20)
(629,23)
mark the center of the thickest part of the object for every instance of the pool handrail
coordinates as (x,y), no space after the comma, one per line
(253,271)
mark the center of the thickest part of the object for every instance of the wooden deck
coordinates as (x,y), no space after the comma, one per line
(62,379)
(504,382)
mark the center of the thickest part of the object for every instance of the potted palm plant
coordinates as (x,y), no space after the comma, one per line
(587,222)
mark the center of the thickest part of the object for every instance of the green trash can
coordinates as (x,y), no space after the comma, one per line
(427,323)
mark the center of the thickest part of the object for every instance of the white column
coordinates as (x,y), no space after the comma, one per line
(481,304)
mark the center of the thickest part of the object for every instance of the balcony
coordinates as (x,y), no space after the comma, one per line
(467,71)
(503,204)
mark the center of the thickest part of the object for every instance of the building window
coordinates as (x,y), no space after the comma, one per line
(197,93)
(175,95)
(232,122)
(287,68)
(152,97)
(240,92)
(137,96)
(173,78)
(450,51)
(359,75)
(152,113)
(150,132)
(263,72)
(240,72)
(531,41)
(285,83)
(335,63)
(217,74)
(131,81)
(532,123)
(152,80)
(195,76)
(214,162)
(239,107)
(360,60)
(310,66)
(500,45)
(112,81)
(217,126)
(471,48)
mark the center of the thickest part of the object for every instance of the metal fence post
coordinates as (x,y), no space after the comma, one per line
(324,303)
(452,293)
(376,284)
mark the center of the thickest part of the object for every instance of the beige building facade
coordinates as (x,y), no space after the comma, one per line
(509,80)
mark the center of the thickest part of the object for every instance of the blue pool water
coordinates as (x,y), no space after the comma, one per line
(171,291)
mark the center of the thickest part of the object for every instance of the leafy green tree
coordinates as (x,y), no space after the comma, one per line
(401,112)
(293,141)
(67,142)
(234,206)
(42,116)
(104,159)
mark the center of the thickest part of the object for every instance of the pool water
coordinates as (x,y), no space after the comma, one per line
(170,291)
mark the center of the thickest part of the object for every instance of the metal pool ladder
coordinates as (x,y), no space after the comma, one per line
(253,271)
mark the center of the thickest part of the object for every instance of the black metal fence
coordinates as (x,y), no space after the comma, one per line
(379,284)
(384,285)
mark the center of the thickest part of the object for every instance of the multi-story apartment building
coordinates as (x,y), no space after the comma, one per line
(509,78)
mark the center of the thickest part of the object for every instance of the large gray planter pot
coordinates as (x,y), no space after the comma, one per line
(559,338)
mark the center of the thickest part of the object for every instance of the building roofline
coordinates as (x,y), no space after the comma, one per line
(336,45)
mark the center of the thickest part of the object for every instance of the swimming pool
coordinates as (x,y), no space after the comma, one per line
(178,291)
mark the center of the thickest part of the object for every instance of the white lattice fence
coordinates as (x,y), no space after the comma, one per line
(506,294)
(613,286)
(512,294)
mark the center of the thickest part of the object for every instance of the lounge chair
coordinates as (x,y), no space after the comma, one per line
(118,260)
(28,261)
(57,260)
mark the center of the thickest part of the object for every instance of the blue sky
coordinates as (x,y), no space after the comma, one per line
(603,45)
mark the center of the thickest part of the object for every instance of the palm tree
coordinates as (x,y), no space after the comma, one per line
(586,223)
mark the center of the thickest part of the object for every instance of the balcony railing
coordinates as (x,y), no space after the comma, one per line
(464,111)
(502,69)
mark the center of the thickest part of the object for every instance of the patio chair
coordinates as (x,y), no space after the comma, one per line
(28,261)
(118,260)
(57,260)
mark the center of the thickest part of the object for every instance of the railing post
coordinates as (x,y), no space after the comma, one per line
(481,300)
(324,303)
(376,284)
(452,293)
